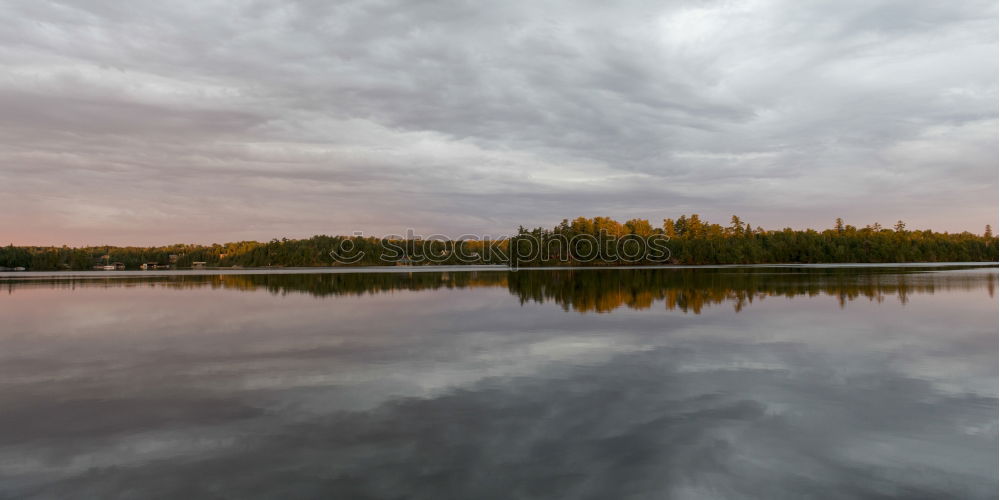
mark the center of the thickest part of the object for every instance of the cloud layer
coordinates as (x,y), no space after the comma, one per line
(213,121)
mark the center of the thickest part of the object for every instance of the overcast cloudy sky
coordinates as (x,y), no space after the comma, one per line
(151,122)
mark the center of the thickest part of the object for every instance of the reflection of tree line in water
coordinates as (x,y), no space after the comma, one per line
(320,285)
(691,290)
(595,290)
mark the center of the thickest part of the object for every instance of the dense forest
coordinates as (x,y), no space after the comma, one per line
(693,241)
(582,241)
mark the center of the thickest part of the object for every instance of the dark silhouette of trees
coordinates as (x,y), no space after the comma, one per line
(690,240)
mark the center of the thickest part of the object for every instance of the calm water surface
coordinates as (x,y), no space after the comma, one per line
(772,383)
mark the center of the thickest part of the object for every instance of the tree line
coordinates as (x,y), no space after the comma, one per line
(688,239)
(694,241)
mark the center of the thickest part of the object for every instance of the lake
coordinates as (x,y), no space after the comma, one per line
(767,382)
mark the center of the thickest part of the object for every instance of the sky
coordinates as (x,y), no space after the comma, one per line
(150,122)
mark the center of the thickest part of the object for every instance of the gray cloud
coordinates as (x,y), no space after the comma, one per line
(153,123)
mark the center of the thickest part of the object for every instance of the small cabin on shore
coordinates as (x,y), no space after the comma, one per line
(114,266)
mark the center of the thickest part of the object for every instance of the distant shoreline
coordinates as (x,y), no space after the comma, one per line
(598,241)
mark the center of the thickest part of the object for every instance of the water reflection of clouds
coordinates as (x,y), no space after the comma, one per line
(463,392)
(630,427)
